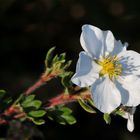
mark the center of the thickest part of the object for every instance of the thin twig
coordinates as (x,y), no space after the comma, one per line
(39,83)
(64,99)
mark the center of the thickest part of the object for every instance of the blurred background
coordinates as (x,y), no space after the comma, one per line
(28,28)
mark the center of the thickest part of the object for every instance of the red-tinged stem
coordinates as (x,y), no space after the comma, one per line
(31,89)
(15,109)
(64,99)
(10,111)
(39,83)
(21,115)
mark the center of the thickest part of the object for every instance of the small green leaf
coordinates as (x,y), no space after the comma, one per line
(90,101)
(65,110)
(107,118)
(39,122)
(30,98)
(67,65)
(61,114)
(86,107)
(62,56)
(49,56)
(37,114)
(50,117)
(55,59)
(69,119)
(60,120)
(65,79)
(34,103)
(27,100)
(2,93)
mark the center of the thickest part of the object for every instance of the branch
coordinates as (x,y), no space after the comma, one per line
(39,83)
(64,99)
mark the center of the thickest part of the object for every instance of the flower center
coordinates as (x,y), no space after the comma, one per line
(111,66)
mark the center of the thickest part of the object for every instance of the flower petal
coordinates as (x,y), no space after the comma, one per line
(105,95)
(131,85)
(129,115)
(109,41)
(130,61)
(111,45)
(92,40)
(119,47)
(130,122)
(87,71)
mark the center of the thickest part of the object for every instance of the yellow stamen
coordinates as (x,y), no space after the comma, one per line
(111,66)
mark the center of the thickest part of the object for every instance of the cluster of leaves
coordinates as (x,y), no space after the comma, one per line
(32,108)
(57,66)
(61,114)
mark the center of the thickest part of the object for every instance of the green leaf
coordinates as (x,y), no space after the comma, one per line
(61,114)
(60,120)
(34,103)
(49,57)
(67,65)
(39,122)
(65,110)
(2,93)
(28,99)
(69,119)
(107,118)
(55,59)
(37,114)
(62,56)
(90,101)
(86,107)
(65,79)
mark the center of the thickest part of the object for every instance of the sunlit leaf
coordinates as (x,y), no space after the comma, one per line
(65,79)
(28,99)
(49,57)
(38,113)
(69,119)
(65,110)
(62,56)
(34,103)
(36,121)
(86,107)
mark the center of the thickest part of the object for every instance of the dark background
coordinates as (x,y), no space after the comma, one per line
(28,28)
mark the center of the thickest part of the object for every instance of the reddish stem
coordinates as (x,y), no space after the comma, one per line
(39,83)
(63,99)
(20,115)
(31,89)
(13,110)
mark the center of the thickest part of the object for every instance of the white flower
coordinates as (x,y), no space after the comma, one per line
(129,115)
(110,70)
